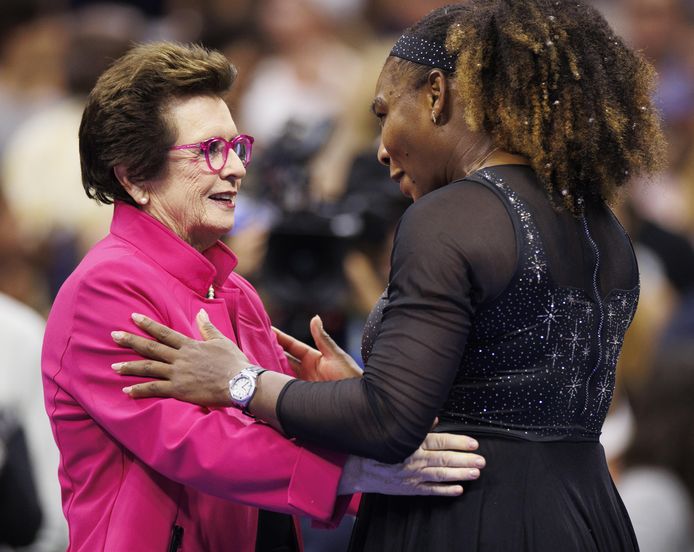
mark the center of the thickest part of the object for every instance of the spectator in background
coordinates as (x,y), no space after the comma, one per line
(298,79)
(657,474)
(21,333)
(662,30)
(31,64)
(20,512)
(22,272)
(50,208)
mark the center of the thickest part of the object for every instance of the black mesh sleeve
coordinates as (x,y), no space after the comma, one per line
(454,249)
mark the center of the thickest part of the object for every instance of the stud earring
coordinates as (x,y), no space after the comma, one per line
(434,118)
(144,200)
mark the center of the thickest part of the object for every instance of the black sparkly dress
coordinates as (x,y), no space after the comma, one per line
(504,317)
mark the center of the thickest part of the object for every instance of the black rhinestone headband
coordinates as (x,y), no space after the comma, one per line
(423,51)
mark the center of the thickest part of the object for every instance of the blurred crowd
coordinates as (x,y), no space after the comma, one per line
(315,220)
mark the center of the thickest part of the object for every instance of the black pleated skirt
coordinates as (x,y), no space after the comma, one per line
(531,497)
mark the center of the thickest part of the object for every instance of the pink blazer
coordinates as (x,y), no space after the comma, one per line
(132,469)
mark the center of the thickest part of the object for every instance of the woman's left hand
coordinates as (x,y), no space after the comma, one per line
(436,468)
(327,363)
(186,369)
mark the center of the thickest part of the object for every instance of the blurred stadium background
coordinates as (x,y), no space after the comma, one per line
(315,220)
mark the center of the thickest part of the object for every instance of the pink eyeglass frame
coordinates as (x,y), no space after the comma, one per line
(228,144)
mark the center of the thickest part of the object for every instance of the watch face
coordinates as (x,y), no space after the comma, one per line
(241,388)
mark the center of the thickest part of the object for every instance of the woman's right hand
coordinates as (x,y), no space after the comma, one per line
(436,468)
(328,362)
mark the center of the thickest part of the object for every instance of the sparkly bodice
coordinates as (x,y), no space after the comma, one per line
(503,314)
(540,359)
(373,324)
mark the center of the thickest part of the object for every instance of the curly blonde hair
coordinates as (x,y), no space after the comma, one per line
(549,80)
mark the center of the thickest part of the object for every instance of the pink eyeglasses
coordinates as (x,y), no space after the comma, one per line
(217,150)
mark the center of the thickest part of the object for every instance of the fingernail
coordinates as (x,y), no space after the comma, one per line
(203,315)
(117,336)
(474,473)
(127,390)
(474,444)
(117,366)
(480,463)
(137,317)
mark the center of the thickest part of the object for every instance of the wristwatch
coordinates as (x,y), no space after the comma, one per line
(243,385)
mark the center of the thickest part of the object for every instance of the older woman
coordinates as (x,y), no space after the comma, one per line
(510,123)
(158,141)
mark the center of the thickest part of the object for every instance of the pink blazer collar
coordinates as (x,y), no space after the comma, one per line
(196,270)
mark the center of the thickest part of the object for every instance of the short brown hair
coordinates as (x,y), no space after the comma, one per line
(124,121)
(550,80)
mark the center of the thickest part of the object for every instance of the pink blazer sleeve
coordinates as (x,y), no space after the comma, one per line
(219,451)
